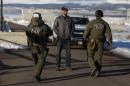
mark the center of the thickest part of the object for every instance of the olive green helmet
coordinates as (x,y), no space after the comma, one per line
(99,13)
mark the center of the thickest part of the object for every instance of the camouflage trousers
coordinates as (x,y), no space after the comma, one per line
(95,55)
(39,57)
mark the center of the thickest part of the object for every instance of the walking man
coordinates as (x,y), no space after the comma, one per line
(96,33)
(63,27)
(37,36)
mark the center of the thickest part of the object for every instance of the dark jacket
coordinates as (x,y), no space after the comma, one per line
(63,27)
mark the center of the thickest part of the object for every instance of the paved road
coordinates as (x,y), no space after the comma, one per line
(16,70)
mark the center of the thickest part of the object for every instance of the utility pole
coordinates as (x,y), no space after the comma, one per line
(2,18)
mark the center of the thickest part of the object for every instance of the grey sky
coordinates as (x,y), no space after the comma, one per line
(62,1)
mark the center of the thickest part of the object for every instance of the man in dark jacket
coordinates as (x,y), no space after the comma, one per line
(63,27)
(96,33)
(37,36)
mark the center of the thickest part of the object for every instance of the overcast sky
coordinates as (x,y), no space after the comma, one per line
(50,1)
(28,1)
(60,1)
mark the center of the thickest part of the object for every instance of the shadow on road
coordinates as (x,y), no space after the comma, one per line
(4,72)
(5,67)
(55,79)
(19,55)
(24,57)
(68,77)
(73,60)
(116,56)
(120,68)
(119,72)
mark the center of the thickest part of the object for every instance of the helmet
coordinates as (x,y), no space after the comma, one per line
(37,15)
(99,13)
(36,19)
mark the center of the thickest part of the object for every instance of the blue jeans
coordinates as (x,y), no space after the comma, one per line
(63,43)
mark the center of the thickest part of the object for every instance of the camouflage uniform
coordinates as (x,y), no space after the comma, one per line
(95,34)
(38,35)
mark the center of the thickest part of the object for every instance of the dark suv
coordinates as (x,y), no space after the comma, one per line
(80,26)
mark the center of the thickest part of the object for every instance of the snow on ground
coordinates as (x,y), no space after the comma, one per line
(8,45)
(122,51)
(121,48)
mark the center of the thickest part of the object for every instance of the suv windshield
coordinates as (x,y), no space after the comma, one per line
(80,20)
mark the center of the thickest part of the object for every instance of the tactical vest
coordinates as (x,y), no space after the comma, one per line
(38,35)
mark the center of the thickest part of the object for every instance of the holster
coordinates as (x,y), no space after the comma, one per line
(93,44)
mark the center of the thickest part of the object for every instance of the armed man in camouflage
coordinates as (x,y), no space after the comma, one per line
(37,36)
(96,33)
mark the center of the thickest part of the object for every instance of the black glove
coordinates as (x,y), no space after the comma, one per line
(109,45)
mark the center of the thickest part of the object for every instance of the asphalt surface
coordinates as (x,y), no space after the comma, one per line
(16,69)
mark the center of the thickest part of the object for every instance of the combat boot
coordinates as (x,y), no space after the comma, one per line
(97,74)
(38,78)
(93,72)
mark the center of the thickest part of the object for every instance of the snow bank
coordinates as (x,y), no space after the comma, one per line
(121,48)
(7,45)
(121,51)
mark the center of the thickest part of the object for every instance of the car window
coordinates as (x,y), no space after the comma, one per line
(80,20)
